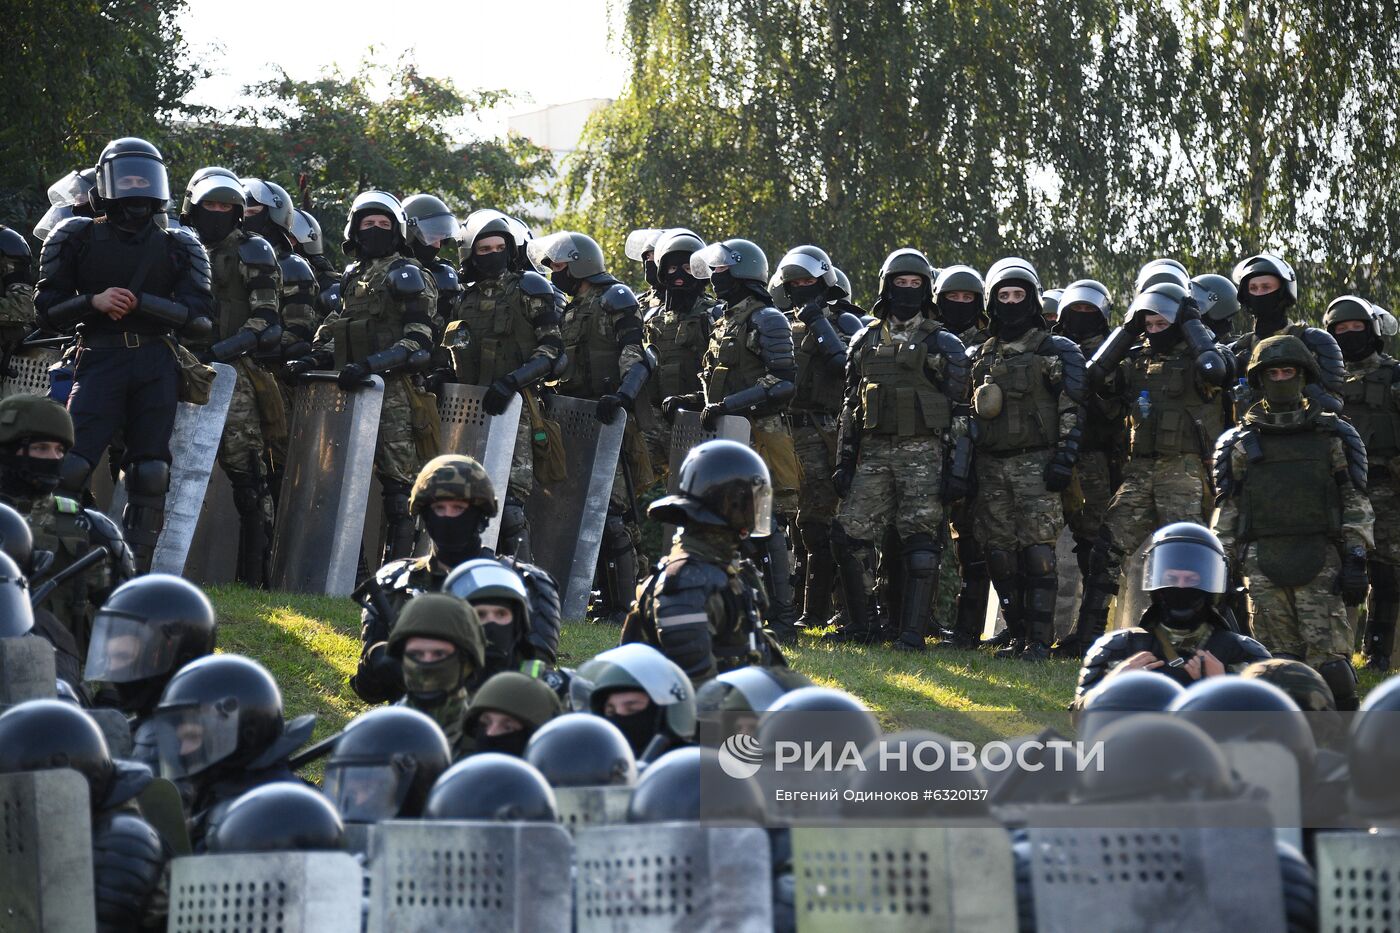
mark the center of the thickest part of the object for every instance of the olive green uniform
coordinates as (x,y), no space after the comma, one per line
(60,527)
(679,340)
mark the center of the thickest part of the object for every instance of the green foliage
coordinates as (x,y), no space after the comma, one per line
(1086,135)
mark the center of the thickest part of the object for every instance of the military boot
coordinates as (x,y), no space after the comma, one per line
(399,528)
(970,615)
(1038,596)
(853,558)
(1100,586)
(820,574)
(147,482)
(1382,610)
(920,585)
(617,571)
(254,532)
(1009,582)
(776,564)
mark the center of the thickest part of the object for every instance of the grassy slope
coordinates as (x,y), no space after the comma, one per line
(311,644)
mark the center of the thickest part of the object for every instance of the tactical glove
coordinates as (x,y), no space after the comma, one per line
(710,413)
(352,375)
(1058,472)
(608,407)
(811,311)
(1352,580)
(674,403)
(497,397)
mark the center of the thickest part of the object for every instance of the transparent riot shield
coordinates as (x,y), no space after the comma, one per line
(581,807)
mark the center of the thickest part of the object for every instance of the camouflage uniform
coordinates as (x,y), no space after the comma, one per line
(1325,353)
(300,290)
(974,584)
(443,695)
(16,289)
(679,340)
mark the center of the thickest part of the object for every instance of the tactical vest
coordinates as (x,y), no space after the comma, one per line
(499,335)
(816,390)
(733,361)
(896,394)
(232,304)
(1029,417)
(57,529)
(1290,504)
(680,341)
(590,339)
(110,259)
(1180,419)
(370,319)
(1371,408)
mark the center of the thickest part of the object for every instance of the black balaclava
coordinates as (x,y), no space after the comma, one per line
(455,539)
(261,224)
(509,743)
(801,295)
(500,647)
(640,727)
(490,265)
(565,281)
(424,253)
(1013,321)
(131,215)
(649,273)
(728,287)
(1181,607)
(1080,326)
(905,301)
(958,316)
(25,477)
(375,242)
(1164,340)
(1356,344)
(214,226)
(1270,311)
(679,286)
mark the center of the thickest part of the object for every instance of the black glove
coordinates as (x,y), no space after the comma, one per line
(672,404)
(127,859)
(1353,580)
(439,377)
(842,478)
(301,366)
(608,407)
(811,311)
(497,397)
(710,413)
(352,375)
(1058,472)
(1190,310)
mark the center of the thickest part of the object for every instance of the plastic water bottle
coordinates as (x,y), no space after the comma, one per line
(1144,405)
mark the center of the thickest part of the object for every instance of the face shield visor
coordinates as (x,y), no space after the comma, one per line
(557,247)
(704,263)
(434,231)
(368,791)
(190,739)
(133,176)
(641,242)
(1184,565)
(125,649)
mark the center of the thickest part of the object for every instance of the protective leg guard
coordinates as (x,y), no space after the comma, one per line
(398,523)
(1099,589)
(854,558)
(920,585)
(1006,577)
(1038,568)
(777,577)
(1341,677)
(889,588)
(820,576)
(146,484)
(1382,610)
(617,569)
(254,533)
(971,613)
(514,540)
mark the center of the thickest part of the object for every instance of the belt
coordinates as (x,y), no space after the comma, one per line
(803,419)
(122,341)
(1003,454)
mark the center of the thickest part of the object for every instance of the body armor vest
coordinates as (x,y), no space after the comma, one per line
(733,361)
(493,334)
(896,394)
(370,319)
(1371,409)
(1029,417)
(680,341)
(590,340)
(1180,419)
(1290,504)
(111,259)
(817,391)
(232,305)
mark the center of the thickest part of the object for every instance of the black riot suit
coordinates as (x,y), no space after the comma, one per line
(127,375)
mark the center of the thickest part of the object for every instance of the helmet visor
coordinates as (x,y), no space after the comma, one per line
(434,230)
(557,247)
(192,739)
(580,692)
(302,229)
(135,176)
(125,648)
(366,792)
(1084,294)
(1184,565)
(1386,325)
(704,263)
(52,218)
(641,242)
(219,188)
(71,189)
(1156,303)
(797,265)
(478,223)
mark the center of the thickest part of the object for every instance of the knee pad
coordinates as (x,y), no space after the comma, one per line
(1001,564)
(921,555)
(73,475)
(1384,585)
(148,478)
(615,535)
(1038,560)
(395,500)
(1341,677)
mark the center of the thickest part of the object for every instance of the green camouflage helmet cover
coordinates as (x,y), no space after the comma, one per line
(1282,350)
(528,699)
(437,615)
(32,416)
(453,477)
(1303,684)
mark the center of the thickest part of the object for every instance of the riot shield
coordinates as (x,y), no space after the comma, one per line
(1356,880)
(1210,867)
(581,807)
(891,879)
(295,892)
(566,519)
(1272,771)
(325,487)
(213,556)
(162,807)
(433,876)
(1131,601)
(487,439)
(673,877)
(46,878)
(29,372)
(194,443)
(687,433)
(27,671)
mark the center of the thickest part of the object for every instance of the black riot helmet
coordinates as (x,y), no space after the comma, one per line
(748,689)
(480,225)
(636,666)
(1050,305)
(674,248)
(1373,755)
(1215,296)
(16,540)
(1123,694)
(1185,572)
(582,750)
(1160,271)
(132,169)
(1080,325)
(723,484)
(431,226)
(148,629)
(1012,320)
(374,202)
(220,711)
(41,735)
(669,790)
(1156,756)
(492,787)
(16,614)
(384,765)
(958,316)
(1265,264)
(486,581)
(1240,709)
(817,714)
(278,817)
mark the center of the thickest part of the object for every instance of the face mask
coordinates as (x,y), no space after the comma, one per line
(906,301)
(728,287)
(424,253)
(261,224)
(1268,311)
(958,315)
(649,273)
(490,265)
(802,294)
(510,743)
(1283,393)
(1181,607)
(1081,325)
(638,727)
(500,646)
(434,680)
(1015,320)
(1356,345)
(565,282)
(28,475)
(131,215)
(214,226)
(140,696)
(454,539)
(374,242)
(1164,340)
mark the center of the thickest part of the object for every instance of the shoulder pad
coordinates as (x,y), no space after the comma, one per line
(772,322)
(445,277)
(296,270)
(618,299)
(328,301)
(1072,359)
(1222,472)
(1252,649)
(13,244)
(1355,448)
(863,336)
(256,252)
(103,526)
(394,575)
(74,228)
(536,285)
(848,324)
(681,576)
(404,279)
(198,257)
(66,506)
(948,344)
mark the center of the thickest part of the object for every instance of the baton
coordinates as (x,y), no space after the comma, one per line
(314,752)
(331,376)
(78,566)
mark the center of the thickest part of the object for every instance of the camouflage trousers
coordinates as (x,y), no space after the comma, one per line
(396,451)
(815,443)
(242,448)
(898,480)
(1156,493)
(1014,509)
(1308,622)
(522,461)
(1385,502)
(1085,503)
(658,438)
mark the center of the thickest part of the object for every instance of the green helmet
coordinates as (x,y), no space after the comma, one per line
(430,222)
(437,615)
(32,416)
(1304,686)
(906,261)
(743,258)
(528,699)
(1282,350)
(580,252)
(454,477)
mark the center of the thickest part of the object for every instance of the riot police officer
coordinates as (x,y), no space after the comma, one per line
(387,323)
(431,229)
(502,602)
(16,289)
(1218,302)
(437,640)
(247,284)
(605,360)
(299,284)
(1292,513)
(1028,386)
(1371,404)
(125,285)
(508,709)
(1185,633)
(504,335)
(642,692)
(640,246)
(820,334)
(391,747)
(311,245)
(454,499)
(906,376)
(704,606)
(750,370)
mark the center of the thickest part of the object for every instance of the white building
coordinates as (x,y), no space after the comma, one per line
(557,128)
